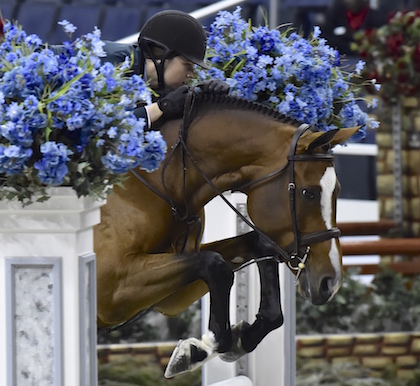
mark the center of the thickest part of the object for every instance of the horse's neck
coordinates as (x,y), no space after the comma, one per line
(231,147)
(232,139)
(228,146)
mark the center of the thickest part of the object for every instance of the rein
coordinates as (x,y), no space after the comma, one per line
(176,211)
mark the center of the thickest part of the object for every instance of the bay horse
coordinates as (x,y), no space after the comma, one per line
(148,248)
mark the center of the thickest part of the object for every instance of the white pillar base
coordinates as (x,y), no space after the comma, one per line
(237,381)
(48,304)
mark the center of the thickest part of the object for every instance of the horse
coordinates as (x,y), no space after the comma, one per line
(148,243)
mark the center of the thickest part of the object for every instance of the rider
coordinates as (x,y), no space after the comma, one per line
(169,45)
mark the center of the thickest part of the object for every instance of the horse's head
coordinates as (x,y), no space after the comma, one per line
(296,208)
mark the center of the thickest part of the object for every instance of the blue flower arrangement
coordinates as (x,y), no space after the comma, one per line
(67,119)
(299,77)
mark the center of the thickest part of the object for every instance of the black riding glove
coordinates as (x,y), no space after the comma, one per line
(215,86)
(172,104)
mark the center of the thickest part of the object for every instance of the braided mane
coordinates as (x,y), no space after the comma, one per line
(245,104)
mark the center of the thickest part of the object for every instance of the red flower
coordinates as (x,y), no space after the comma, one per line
(403,78)
(391,15)
(1,28)
(370,32)
(416,58)
(374,75)
(393,44)
(410,20)
(363,54)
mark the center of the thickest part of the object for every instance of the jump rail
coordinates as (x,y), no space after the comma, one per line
(405,246)
(367,228)
(409,247)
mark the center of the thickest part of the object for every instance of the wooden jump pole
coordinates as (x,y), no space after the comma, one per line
(368,228)
(405,246)
(406,268)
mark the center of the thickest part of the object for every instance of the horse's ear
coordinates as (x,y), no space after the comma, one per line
(311,140)
(343,135)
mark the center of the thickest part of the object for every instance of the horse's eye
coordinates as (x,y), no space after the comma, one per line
(308,193)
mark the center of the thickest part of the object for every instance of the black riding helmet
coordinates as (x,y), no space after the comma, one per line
(176,33)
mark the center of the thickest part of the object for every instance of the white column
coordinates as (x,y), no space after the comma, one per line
(220,224)
(48,291)
(274,360)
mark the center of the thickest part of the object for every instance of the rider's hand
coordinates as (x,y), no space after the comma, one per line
(172,104)
(215,86)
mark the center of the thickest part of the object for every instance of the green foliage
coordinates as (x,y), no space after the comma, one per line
(147,329)
(348,374)
(136,332)
(390,303)
(134,372)
(180,326)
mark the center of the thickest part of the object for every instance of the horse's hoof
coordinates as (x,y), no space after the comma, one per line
(190,354)
(236,350)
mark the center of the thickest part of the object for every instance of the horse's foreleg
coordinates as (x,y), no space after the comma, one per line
(269,317)
(192,353)
(236,251)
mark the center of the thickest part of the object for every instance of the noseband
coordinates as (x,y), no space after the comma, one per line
(292,255)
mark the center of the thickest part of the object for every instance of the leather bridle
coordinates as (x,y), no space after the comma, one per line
(292,255)
(303,242)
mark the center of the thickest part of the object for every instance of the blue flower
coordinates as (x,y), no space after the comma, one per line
(154,151)
(107,69)
(68,27)
(299,77)
(372,123)
(117,163)
(67,118)
(52,166)
(112,132)
(17,133)
(264,60)
(13,159)
(359,67)
(33,40)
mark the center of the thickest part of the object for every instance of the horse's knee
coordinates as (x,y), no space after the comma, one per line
(216,270)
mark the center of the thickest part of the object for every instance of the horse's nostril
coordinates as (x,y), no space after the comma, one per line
(327,285)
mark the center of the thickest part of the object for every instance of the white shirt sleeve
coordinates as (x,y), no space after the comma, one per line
(149,122)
